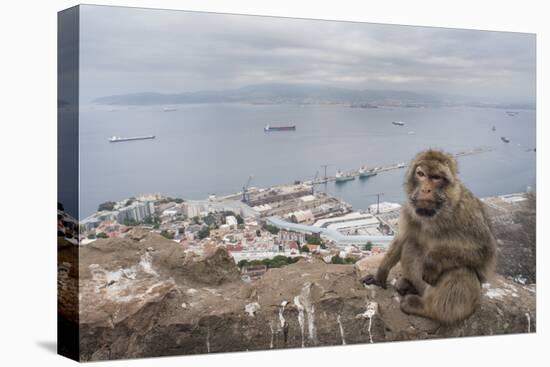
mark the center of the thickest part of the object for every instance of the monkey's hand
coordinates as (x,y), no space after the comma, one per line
(431,270)
(379,279)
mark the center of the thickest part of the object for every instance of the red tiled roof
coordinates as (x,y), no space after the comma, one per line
(292,245)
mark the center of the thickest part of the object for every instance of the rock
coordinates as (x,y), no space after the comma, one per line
(506,307)
(517,242)
(213,270)
(137,234)
(164,303)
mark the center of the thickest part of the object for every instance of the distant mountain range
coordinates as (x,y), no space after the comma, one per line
(287,93)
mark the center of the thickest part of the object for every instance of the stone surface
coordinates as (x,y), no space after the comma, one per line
(146,297)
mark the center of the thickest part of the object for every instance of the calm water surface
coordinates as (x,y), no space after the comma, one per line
(214,148)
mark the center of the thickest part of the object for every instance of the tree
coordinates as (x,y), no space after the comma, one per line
(151,220)
(170,200)
(209,219)
(275,262)
(347,260)
(313,239)
(242,263)
(108,206)
(271,229)
(304,248)
(166,234)
(240,219)
(91,236)
(101,235)
(368,246)
(129,222)
(203,233)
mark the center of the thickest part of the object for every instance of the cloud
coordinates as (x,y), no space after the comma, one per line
(125,50)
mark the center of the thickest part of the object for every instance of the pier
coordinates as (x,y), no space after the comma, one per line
(254,192)
(394,166)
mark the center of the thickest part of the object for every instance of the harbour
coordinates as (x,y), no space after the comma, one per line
(216,147)
(341,176)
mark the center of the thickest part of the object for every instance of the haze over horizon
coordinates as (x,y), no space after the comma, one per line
(133,50)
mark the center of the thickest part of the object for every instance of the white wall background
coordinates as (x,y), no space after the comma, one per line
(28,180)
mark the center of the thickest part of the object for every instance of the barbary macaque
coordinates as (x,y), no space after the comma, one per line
(444,242)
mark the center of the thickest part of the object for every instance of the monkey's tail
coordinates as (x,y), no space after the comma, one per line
(455,296)
(453,299)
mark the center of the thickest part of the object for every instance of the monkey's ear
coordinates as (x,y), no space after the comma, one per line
(411,170)
(409,176)
(448,172)
(452,164)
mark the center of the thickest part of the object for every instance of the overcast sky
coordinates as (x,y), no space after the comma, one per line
(128,50)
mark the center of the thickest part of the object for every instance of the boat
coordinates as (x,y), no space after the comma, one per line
(117,139)
(279,128)
(398,123)
(504,139)
(169,109)
(343,177)
(364,172)
(363,105)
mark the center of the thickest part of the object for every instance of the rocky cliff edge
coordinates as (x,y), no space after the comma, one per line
(143,296)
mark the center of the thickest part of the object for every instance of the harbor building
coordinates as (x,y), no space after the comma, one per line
(331,234)
(384,207)
(137,211)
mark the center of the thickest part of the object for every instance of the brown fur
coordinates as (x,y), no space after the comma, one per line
(445,243)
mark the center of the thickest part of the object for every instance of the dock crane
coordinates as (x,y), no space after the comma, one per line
(313,182)
(246,196)
(325,167)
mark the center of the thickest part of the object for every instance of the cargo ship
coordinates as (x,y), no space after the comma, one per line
(343,177)
(364,172)
(279,128)
(117,139)
(398,123)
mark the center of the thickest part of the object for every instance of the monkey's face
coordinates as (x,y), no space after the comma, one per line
(429,183)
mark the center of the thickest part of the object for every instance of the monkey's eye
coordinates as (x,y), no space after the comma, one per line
(420,174)
(436,177)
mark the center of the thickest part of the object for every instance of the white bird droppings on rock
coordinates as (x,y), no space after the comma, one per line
(372,309)
(306,309)
(252,308)
(191,291)
(281,314)
(339,321)
(499,293)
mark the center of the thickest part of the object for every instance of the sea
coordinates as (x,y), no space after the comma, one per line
(205,149)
